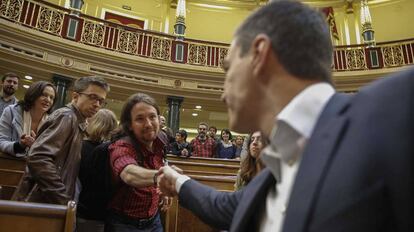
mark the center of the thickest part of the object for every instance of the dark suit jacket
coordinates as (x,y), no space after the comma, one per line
(356,173)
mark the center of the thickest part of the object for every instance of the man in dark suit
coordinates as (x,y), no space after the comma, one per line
(335,162)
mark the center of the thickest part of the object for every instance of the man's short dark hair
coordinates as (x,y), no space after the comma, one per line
(83,83)
(215,128)
(9,74)
(299,35)
(183,133)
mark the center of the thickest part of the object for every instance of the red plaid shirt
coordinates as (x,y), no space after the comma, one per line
(139,203)
(204,148)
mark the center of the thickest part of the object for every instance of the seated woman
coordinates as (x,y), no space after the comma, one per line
(99,130)
(225,148)
(19,123)
(180,147)
(251,164)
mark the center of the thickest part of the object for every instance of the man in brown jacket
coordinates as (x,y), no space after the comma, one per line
(54,158)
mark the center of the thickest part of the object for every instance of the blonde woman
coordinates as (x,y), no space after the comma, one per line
(99,130)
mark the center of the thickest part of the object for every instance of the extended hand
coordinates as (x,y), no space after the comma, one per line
(167,177)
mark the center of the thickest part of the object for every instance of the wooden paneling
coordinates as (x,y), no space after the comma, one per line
(188,222)
(12,163)
(216,173)
(11,173)
(173,158)
(22,217)
(220,168)
(179,219)
(205,173)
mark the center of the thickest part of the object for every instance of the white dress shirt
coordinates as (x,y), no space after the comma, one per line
(293,126)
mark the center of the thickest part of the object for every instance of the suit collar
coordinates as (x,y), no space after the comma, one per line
(248,210)
(317,155)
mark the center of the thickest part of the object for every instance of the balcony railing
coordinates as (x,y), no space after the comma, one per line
(58,21)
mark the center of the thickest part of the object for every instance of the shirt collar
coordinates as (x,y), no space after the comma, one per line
(304,109)
(294,125)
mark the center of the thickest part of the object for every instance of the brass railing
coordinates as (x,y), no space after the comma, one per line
(58,21)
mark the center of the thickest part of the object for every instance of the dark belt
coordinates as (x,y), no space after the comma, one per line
(139,223)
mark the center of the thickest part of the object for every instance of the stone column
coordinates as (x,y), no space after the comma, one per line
(62,84)
(174,106)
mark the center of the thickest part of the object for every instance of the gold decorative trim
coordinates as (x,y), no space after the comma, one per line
(11,9)
(67,62)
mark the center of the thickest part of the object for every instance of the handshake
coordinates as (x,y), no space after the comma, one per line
(166,180)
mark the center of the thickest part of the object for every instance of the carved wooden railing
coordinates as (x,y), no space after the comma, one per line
(58,21)
(383,55)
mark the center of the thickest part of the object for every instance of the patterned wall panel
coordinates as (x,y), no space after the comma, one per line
(127,41)
(43,16)
(223,53)
(393,56)
(197,54)
(93,33)
(161,48)
(11,9)
(50,20)
(355,59)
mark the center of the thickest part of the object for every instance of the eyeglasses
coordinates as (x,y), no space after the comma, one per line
(95,98)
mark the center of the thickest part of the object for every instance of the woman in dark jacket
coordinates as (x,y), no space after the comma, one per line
(225,148)
(99,130)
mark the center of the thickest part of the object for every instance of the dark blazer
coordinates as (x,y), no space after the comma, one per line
(356,173)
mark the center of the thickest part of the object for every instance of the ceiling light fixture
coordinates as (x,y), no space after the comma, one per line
(26,86)
(213,6)
(28,77)
(194,114)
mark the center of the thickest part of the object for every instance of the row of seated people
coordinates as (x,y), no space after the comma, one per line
(206,144)
(19,127)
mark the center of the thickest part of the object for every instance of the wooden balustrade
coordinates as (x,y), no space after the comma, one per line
(217,173)
(179,219)
(35,217)
(191,167)
(11,173)
(22,216)
(57,21)
(203,160)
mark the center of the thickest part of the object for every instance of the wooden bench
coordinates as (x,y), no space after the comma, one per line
(206,167)
(179,219)
(11,173)
(203,160)
(35,217)
(207,173)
